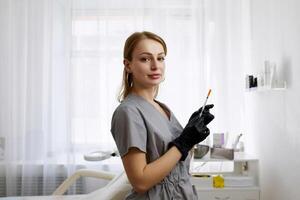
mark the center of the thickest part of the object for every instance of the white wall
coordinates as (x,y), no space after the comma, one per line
(273,125)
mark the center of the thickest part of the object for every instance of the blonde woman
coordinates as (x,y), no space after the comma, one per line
(153,145)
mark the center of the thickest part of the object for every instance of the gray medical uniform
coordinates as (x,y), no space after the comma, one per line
(137,123)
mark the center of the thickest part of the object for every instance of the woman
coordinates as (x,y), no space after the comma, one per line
(152,144)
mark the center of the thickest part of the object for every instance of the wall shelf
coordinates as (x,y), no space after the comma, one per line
(265,89)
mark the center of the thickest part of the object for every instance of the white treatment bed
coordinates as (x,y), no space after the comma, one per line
(116,188)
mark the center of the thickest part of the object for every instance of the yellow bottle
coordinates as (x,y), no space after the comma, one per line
(218,181)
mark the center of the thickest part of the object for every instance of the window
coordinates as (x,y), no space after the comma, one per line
(98,37)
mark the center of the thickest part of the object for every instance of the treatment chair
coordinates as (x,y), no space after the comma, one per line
(116,189)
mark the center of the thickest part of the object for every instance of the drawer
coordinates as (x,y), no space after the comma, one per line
(228,195)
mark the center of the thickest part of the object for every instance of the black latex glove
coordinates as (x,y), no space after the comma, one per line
(195,131)
(208,117)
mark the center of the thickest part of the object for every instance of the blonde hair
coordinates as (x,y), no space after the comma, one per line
(130,44)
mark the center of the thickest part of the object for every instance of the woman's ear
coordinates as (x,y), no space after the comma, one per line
(127,65)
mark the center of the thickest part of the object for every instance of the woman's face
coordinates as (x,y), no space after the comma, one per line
(147,64)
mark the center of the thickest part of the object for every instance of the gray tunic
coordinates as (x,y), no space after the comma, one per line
(137,123)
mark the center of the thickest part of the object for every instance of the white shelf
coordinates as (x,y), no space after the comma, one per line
(228,188)
(264,88)
(238,157)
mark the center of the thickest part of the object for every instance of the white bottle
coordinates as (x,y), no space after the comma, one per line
(267,74)
(273,75)
(236,142)
(241,146)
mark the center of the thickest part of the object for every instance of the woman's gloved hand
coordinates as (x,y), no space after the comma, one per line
(208,117)
(195,131)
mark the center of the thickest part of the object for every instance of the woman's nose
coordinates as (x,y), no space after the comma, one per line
(154,65)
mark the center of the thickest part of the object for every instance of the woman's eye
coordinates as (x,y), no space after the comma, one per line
(145,59)
(161,59)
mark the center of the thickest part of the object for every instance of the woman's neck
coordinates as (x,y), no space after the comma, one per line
(147,94)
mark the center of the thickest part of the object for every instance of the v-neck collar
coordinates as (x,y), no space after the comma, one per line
(162,105)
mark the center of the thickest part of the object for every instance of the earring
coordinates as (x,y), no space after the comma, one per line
(129,79)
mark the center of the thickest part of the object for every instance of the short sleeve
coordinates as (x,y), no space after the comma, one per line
(128,129)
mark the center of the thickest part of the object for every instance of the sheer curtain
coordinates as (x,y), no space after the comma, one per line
(35,114)
(61,68)
(226,38)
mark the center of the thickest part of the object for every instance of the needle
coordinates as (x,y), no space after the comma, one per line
(209,91)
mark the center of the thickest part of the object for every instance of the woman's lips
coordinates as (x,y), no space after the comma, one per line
(154,76)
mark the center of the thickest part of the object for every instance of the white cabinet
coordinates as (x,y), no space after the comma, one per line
(219,194)
(243,166)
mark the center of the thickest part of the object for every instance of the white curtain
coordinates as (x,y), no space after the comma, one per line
(35,91)
(61,68)
(226,42)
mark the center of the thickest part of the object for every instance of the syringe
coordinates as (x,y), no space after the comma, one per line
(209,91)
